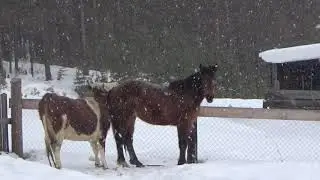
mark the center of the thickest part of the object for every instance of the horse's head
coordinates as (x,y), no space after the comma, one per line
(208,81)
(100,93)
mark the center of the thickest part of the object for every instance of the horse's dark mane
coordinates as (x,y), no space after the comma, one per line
(190,85)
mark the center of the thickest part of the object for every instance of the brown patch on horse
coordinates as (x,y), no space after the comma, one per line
(76,112)
(178,105)
(73,119)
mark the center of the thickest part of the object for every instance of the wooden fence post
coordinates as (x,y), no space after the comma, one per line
(4,121)
(16,117)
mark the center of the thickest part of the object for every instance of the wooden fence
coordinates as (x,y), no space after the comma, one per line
(4,121)
(15,121)
(17,104)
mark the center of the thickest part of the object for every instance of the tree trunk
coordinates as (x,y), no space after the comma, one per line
(46,45)
(31,56)
(15,47)
(95,32)
(15,56)
(85,69)
(1,46)
(2,71)
(11,52)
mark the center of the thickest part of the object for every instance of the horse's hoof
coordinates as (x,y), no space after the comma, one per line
(98,165)
(140,165)
(181,162)
(137,163)
(191,161)
(123,164)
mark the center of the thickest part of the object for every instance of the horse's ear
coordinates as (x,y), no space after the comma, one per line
(214,67)
(200,67)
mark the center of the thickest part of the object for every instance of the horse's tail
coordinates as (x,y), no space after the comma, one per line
(43,114)
(125,146)
(120,136)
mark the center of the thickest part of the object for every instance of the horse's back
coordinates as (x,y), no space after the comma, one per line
(135,90)
(63,112)
(153,103)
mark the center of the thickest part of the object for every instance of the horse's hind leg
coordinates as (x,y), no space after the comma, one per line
(98,147)
(129,143)
(133,157)
(56,147)
(49,152)
(94,146)
(102,147)
(119,143)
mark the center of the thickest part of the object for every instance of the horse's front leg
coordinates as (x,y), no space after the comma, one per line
(192,144)
(182,137)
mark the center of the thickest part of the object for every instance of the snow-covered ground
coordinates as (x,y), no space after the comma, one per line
(17,169)
(229,149)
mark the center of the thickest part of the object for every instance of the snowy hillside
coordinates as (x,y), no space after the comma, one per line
(229,149)
(35,87)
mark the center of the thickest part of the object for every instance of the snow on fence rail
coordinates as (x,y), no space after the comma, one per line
(18,104)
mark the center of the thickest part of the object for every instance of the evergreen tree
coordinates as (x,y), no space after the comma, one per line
(80,83)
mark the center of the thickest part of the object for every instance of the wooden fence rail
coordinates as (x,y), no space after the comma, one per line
(227,112)
(260,113)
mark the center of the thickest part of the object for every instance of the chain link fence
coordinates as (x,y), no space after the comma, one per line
(219,139)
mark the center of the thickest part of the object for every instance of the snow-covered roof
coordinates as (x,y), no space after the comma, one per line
(291,54)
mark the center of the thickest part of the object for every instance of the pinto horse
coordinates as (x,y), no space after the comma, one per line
(176,105)
(77,120)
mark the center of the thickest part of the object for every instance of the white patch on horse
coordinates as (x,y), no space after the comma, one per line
(102,156)
(64,117)
(94,105)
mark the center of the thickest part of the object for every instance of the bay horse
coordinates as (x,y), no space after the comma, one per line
(84,119)
(176,105)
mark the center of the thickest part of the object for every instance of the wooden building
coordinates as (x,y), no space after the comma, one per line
(295,77)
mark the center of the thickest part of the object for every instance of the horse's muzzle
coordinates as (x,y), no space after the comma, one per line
(209,99)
